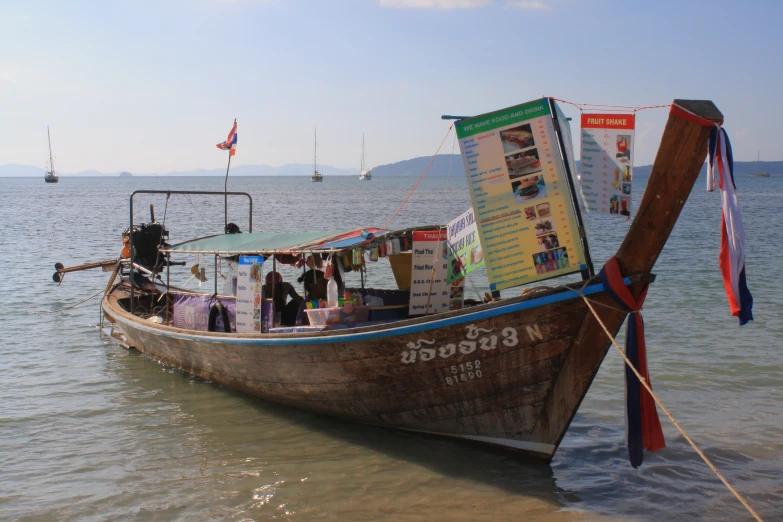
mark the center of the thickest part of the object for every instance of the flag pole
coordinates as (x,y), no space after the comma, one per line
(225,190)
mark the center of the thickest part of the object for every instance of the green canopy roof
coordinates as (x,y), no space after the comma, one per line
(284,243)
(253,243)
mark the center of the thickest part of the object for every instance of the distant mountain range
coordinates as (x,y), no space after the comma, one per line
(443,165)
(446,163)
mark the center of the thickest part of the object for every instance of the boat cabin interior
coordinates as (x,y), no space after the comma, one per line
(253,297)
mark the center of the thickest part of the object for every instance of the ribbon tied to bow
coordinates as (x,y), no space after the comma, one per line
(643,428)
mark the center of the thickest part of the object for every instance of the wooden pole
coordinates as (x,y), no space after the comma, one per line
(58,275)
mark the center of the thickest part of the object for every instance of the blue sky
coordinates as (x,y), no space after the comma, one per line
(152,86)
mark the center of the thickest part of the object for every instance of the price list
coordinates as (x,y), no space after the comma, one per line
(607,163)
(518,187)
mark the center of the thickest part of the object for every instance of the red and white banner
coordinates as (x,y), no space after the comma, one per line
(607,162)
(720,162)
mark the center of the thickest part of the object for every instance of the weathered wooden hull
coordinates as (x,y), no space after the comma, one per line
(483,374)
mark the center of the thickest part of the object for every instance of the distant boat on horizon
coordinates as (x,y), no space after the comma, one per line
(758,173)
(50,176)
(317,176)
(364,175)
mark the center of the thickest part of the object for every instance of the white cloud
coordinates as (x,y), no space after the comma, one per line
(435,4)
(7,77)
(527,4)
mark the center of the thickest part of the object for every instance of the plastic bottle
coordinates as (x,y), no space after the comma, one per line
(332,291)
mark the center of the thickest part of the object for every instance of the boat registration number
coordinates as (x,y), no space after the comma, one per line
(464,372)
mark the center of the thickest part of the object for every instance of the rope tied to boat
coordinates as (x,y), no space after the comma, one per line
(43,312)
(432,160)
(644,379)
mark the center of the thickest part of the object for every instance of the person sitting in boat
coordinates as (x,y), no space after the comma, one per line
(282,291)
(314,282)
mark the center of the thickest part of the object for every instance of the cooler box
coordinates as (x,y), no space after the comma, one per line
(336,315)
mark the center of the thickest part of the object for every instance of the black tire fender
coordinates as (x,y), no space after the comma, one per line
(216,309)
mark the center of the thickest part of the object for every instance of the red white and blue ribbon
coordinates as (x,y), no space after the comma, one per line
(231,142)
(643,428)
(732,241)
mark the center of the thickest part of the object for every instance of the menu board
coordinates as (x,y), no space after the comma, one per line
(607,162)
(464,248)
(428,273)
(524,208)
(250,281)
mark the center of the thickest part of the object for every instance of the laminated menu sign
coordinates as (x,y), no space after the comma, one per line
(464,249)
(607,162)
(520,193)
(250,281)
(428,273)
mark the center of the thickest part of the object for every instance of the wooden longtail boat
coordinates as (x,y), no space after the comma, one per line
(510,373)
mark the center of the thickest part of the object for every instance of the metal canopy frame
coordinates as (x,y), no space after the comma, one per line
(181,192)
(316,246)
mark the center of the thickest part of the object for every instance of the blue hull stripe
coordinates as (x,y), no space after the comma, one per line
(366,336)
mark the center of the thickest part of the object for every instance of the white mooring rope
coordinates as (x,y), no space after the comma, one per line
(663,408)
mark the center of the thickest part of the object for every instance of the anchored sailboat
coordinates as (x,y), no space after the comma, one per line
(758,173)
(364,174)
(50,176)
(317,176)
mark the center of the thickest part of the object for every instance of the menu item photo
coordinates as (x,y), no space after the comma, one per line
(523,163)
(517,138)
(528,189)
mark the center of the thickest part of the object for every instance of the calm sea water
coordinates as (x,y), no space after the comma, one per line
(91,431)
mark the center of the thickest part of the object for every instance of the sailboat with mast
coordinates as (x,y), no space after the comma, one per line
(317,176)
(758,173)
(50,176)
(365,175)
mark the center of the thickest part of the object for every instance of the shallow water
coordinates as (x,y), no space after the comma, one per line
(91,431)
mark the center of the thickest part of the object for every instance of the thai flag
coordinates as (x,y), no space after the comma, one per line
(732,247)
(231,142)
